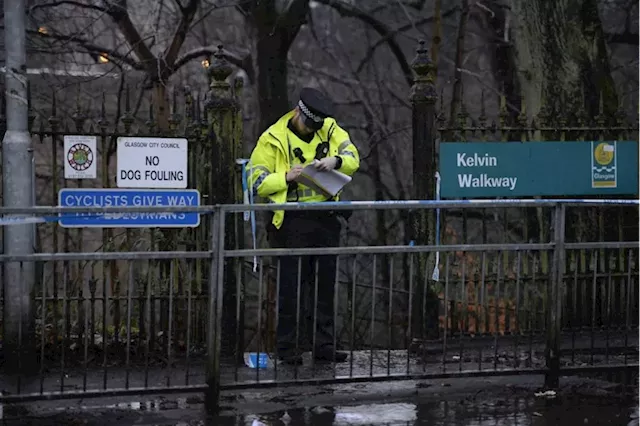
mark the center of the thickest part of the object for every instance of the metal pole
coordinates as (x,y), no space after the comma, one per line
(212,395)
(555,296)
(17,191)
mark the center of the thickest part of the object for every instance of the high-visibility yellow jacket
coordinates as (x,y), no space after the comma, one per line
(271,160)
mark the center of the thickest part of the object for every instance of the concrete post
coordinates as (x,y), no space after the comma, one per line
(17,189)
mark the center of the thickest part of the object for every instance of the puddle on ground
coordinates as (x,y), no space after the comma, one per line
(521,412)
(534,411)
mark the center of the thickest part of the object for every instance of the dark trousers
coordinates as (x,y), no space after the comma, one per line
(301,230)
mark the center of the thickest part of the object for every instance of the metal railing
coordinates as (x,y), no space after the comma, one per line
(549,307)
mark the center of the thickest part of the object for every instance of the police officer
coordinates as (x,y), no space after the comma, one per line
(306,135)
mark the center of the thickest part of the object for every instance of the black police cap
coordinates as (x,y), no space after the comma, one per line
(315,107)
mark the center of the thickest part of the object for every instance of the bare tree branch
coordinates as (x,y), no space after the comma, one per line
(188,13)
(120,15)
(398,30)
(112,144)
(381,28)
(626,37)
(136,109)
(296,12)
(91,48)
(457,100)
(66,3)
(180,7)
(417,5)
(207,12)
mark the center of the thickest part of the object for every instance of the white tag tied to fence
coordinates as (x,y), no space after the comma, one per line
(245,185)
(436,269)
(247,195)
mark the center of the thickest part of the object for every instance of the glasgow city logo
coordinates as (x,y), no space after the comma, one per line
(604,171)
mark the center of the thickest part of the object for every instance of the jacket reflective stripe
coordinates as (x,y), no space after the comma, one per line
(264,172)
(261,168)
(295,195)
(258,182)
(344,145)
(348,154)
(342,149)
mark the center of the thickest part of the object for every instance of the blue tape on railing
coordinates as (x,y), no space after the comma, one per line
(408,204)
(253,226)
(17,219)
(248,199)
(27,220)
(245,186)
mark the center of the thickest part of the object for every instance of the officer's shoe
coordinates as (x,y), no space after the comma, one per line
(325,353)
(291,359)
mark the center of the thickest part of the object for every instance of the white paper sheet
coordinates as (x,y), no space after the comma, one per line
(327,182)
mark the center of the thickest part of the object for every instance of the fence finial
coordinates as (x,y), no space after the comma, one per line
(421,63)
(219,70)
(482,119)
(423,89)
(189,111)
(523,120)
(53,119)
(238,86)
(196,108)
(503,114)
(103,122)
(462,109)
(174,117)
(620,114)
(127,117)
(581,114)
(150,121)
(3,116)
(600,118)
(78,117)
(31,115)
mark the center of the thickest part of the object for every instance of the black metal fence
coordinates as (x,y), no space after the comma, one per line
(551,307)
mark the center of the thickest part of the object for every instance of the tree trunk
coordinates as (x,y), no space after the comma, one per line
(437,36)
(503,58)
(161,106)
(561,56)
(456,91)
(273,100)
(276,28)
(561,60)
(562,66)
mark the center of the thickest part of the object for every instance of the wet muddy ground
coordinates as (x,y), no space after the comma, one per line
(507,400)
(488,401)
(515,411)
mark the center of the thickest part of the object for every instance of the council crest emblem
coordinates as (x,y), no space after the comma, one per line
(604,171)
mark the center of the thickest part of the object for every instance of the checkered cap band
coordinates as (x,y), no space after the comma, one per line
(308,113)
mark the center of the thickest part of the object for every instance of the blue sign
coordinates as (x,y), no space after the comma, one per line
(80,197)
(523,169)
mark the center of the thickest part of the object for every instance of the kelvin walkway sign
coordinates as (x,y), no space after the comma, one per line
(521,169)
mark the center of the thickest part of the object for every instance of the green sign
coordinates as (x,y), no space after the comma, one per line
(521,169)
